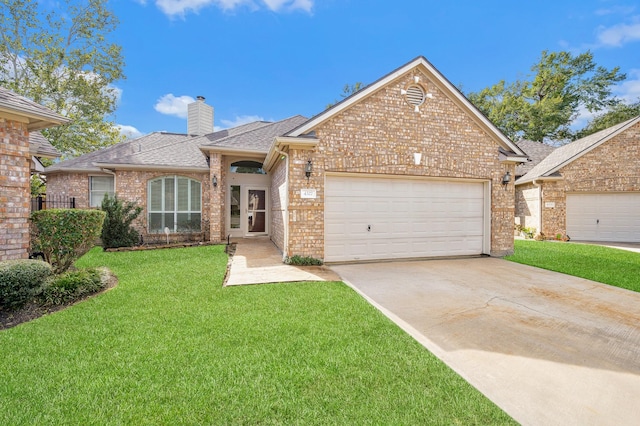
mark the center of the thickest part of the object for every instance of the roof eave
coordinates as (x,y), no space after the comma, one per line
(147,167)
(281,142)
(33,120)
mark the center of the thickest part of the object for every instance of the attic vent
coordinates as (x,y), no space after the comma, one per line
(415,95)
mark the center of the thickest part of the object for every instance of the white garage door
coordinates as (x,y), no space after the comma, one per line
(604,217)
(370,218)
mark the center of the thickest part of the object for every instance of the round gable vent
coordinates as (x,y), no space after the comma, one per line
(415,95)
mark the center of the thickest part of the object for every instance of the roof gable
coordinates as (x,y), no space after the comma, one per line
(537,151)
(570,152)
(443,84)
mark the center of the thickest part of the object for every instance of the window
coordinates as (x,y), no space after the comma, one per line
(99,186)
(174,202)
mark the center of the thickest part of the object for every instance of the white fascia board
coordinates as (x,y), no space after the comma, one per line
(518,159)
(280,142)
(146,167)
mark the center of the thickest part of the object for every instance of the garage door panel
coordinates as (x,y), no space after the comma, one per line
(408,218)
(604,217)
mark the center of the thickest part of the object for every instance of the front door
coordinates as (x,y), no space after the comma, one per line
(248,211)
(256,212)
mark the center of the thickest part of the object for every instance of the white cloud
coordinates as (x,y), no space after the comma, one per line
(129,132)
(619,34)
(173,105)
(174,8)
(629,90)
(239,121)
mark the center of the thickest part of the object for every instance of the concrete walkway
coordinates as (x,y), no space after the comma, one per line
(258,261)
(548,348)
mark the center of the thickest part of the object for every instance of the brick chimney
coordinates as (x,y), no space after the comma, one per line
(199,117)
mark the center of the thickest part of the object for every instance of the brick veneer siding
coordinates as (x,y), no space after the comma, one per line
(379,135)
(132,186)
(14,190)
(614,166)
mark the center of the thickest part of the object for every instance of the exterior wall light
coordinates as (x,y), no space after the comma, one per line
(214,181)
(308,168)
(506,178)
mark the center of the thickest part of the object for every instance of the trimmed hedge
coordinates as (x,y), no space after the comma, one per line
(21,280)
(298,260)
(64,235)
(71,286)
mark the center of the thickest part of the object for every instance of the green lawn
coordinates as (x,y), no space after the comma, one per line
(170,346)
(620,268)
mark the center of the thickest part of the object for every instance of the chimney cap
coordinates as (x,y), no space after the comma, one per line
(200,98)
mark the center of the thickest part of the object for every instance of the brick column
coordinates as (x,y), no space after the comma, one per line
(216,195)
(14,190)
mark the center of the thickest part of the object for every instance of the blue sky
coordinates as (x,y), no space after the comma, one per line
(272,59)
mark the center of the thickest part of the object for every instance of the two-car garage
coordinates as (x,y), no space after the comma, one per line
(379,217)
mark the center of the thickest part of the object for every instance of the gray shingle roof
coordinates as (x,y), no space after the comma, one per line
(40,116)
(258,139)
(174,150)
(574,150)
(41,147)
(537,151)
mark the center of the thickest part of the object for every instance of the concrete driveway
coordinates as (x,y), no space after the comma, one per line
(548,348)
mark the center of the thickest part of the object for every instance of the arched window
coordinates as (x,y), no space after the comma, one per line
(174,202)
(247,166)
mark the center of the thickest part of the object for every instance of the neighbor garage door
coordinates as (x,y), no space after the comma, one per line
(604,217)
(369,218)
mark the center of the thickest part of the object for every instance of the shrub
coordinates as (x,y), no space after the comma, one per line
(303,260)
(64,235)
(71,286)
(20,280)
(117,230)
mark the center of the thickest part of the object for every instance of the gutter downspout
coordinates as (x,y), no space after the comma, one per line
(285,245)
(537,183)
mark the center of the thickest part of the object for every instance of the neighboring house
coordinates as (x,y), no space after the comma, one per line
(588,190)
(406,167)
(22,146)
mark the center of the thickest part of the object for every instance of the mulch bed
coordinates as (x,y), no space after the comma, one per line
(33,310)
(162,246)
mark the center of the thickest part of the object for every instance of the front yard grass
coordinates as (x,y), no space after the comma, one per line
(620,268)
(169,345)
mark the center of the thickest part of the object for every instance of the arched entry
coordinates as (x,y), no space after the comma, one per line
(248,199)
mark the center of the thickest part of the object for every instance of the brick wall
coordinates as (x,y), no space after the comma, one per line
(132,186)
(379,136)
(614,166)
(14,190)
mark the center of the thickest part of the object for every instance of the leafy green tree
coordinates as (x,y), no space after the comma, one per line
(543,106)
(348,90)
(617,114)
(62,58)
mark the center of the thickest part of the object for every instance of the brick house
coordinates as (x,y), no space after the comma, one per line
(406,167)
(588,189)
(22,146)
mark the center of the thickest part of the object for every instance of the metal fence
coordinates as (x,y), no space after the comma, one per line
(43,202)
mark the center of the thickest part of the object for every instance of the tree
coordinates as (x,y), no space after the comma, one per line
(617,114)
(544,106)
(62,58)
(348,90)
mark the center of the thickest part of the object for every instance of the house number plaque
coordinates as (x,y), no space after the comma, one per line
(307,193)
